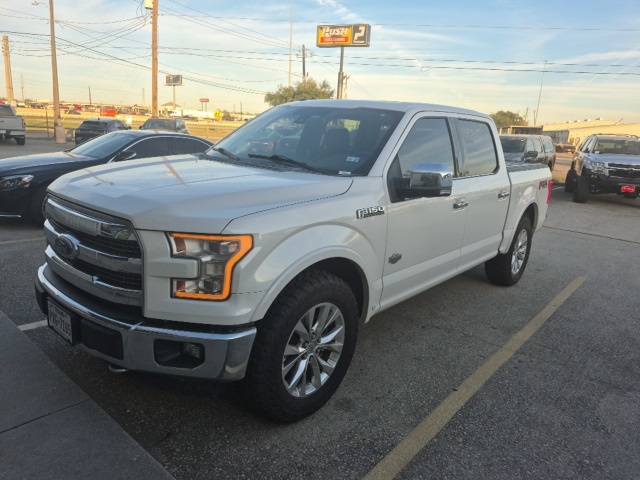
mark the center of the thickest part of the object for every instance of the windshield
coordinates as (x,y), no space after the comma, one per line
(338,141)
(512,145)
(103,145)
(155,124)
(618,147)
(6,111)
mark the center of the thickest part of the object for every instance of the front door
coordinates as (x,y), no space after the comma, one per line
(424,235)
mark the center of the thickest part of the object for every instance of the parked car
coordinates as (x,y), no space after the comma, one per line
(529,148)
(98,126)
(24,180)
(605,164)
(261,259)
(12,125)
(565,148)
(166,124)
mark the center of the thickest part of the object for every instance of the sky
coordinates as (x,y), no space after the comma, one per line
(561,60)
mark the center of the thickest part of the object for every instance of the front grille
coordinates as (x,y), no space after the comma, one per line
(624,171)
(83,251)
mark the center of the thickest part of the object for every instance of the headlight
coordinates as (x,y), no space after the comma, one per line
(217,255)
(15,181)
(597,167)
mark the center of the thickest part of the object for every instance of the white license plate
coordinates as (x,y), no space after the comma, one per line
(2,132)
(60,322)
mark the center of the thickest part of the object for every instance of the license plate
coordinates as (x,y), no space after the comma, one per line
(2,132)
(61,322)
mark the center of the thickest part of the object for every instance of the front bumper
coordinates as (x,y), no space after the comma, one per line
(15,201)
(612,184)
(134,342)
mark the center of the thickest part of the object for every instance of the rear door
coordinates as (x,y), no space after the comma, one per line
(424,234)
(486,182)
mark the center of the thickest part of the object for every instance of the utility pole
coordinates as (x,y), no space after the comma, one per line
(7,69)
(22,86)
(154,60)
(58,129)
(89,95)
(345,79)
(304,68)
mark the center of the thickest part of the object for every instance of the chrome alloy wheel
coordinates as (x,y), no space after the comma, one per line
(313,350)
(519,252)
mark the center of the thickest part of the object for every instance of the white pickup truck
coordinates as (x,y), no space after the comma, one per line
(12,125)
(260,259)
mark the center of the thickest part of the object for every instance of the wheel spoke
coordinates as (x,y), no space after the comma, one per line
(316,377)
(293,350)
(331,336)
(298,376)
(288,366)
(326,367)
(302,330)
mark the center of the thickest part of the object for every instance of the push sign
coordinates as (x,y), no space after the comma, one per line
(343,35)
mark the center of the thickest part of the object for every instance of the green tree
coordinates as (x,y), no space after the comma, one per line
(307,89)
(506,119)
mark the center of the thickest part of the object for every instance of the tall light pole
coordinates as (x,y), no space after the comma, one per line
(58,129)
(154,60)
(291,45)
(535,114)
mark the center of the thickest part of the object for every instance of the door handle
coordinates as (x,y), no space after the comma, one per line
(503,194)
(460,204)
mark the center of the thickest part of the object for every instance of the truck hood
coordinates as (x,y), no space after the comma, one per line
(189,194)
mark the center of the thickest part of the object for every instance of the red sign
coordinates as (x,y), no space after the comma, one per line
(204,100)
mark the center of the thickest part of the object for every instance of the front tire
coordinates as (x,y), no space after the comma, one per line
(303,348)
(36,205)
(506,269)
(570,181)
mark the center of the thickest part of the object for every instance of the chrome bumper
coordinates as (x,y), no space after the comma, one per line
(225,354)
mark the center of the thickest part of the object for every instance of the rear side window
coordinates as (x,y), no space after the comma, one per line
(481,157)
(548,145)
(188,145)
(151,147)
(537,145)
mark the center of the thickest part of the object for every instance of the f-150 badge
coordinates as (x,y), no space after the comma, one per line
(369,212)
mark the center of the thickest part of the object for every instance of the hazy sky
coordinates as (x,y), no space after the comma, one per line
(482,55)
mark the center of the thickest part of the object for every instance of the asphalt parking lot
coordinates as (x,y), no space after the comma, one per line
(465,381)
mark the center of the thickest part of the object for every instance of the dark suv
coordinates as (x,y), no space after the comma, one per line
(98,126)
(166,124)
(605,164)
(529,148)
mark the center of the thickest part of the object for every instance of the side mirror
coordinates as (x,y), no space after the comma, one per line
(531,154)
(125,155)
(431,180)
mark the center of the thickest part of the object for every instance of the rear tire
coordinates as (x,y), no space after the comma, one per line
(581,190)
(570,181)
(506,269)
(21,140)
(303,348)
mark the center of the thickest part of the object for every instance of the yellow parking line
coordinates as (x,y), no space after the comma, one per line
(419,438)
(23,240)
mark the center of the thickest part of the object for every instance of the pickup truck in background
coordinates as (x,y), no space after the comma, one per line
(605,164)
(260,259)
(12,125)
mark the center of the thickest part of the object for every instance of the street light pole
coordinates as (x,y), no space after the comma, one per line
(154,59)
(58,129)
(535,114)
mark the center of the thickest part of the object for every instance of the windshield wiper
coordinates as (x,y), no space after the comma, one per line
(226,153)
(288,161)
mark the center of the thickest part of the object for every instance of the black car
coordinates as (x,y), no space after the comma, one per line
(529,148)
(98,126)
(24,180)
(166,124)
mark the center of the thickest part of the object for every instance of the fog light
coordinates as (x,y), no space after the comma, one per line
(170,353)
(194,350)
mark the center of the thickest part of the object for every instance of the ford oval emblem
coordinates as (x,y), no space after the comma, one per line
(67,246)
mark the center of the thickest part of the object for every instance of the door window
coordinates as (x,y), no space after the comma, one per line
(480,151)
(428,141)
(537,145)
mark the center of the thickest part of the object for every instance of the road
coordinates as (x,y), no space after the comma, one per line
(560,400)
